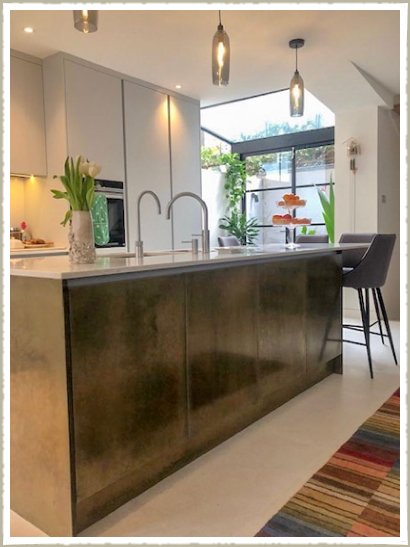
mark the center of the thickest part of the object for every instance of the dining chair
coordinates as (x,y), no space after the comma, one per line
(312,239)
(228,241)
(370,274)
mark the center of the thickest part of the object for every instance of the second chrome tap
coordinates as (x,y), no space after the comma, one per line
(139,245)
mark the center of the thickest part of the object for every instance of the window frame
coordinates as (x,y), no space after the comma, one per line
(290,142)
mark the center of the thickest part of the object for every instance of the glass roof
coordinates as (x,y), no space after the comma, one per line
(264,116)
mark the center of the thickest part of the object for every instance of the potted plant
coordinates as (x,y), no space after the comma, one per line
(235,222)
(78,183)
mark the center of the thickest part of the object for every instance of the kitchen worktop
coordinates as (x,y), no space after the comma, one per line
(59,267)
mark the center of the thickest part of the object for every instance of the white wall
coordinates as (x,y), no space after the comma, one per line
(32,201)
(389,200)
(356,194)
(213,193)
(17,211)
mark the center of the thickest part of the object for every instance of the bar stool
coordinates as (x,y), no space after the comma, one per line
(312,239)
(229,241)
(371,273)
(352,257)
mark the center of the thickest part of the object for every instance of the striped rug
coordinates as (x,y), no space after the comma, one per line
(356,494)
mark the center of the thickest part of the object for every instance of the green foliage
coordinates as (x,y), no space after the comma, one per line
(328,206)
(273,129)
(235,179)
(237,225)
(236,173)
(307,232)
(210,157)
(79,188)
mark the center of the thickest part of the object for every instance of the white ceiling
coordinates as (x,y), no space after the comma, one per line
(174,47)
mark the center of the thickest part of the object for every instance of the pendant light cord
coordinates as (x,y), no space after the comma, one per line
(296,48)
(219,11)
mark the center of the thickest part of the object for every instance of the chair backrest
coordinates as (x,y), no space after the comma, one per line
(371,272)
(352,257)
(228,241)
(312,239)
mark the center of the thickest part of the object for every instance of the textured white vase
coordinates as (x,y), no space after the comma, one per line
(81,238)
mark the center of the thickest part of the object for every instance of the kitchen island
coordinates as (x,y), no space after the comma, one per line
(125,370)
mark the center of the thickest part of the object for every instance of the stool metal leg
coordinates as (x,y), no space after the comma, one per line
(365,321)
(376,307)
(386,322)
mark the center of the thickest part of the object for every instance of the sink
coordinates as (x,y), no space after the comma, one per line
(117,255)
(146,253)
(166,252)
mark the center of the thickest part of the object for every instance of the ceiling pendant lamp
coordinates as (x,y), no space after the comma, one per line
(296,88)
(86,20)
(221,56)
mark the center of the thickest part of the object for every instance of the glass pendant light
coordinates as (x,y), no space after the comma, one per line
(296,88)
(86,20)
(221,56)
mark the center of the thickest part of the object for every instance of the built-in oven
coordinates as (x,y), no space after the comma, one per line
(114,193)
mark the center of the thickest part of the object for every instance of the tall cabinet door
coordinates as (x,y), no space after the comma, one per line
(148,164)
(27,131)
(185,167)
(94,118)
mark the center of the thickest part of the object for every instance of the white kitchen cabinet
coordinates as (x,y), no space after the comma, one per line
(148,164)
(185,167)
(27,128)
(95,118)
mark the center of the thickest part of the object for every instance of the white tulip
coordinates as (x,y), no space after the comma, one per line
(93,169)
(84,166)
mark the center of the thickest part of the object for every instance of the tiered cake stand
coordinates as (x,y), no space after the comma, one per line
(290,224)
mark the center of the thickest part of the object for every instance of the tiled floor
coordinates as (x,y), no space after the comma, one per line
(234,489)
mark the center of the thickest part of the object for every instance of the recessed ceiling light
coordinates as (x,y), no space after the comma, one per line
(178,86)
(29,30)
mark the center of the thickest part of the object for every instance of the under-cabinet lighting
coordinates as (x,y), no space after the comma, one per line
(20,176)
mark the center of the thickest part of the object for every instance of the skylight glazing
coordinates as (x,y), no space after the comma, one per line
(264,116)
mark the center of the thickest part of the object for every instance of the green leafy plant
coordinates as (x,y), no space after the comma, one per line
(237,225)
(210,157)
(328,206)
(78,182)
(235,179)
(307,232)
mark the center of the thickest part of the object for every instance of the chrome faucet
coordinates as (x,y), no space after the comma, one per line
(139,245)
(205,229)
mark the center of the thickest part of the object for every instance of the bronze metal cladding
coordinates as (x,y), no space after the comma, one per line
(129,390)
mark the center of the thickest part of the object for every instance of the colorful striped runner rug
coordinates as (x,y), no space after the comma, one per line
(357,492)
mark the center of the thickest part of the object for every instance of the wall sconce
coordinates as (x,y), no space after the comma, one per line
(353,150)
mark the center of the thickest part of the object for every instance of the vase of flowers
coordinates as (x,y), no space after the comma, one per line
(78,183)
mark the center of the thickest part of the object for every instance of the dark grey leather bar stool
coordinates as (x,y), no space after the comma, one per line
(371,273)
(352,257)
(312,239)
(229,241)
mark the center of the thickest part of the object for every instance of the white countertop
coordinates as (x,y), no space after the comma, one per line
(44,251)
(59,267)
